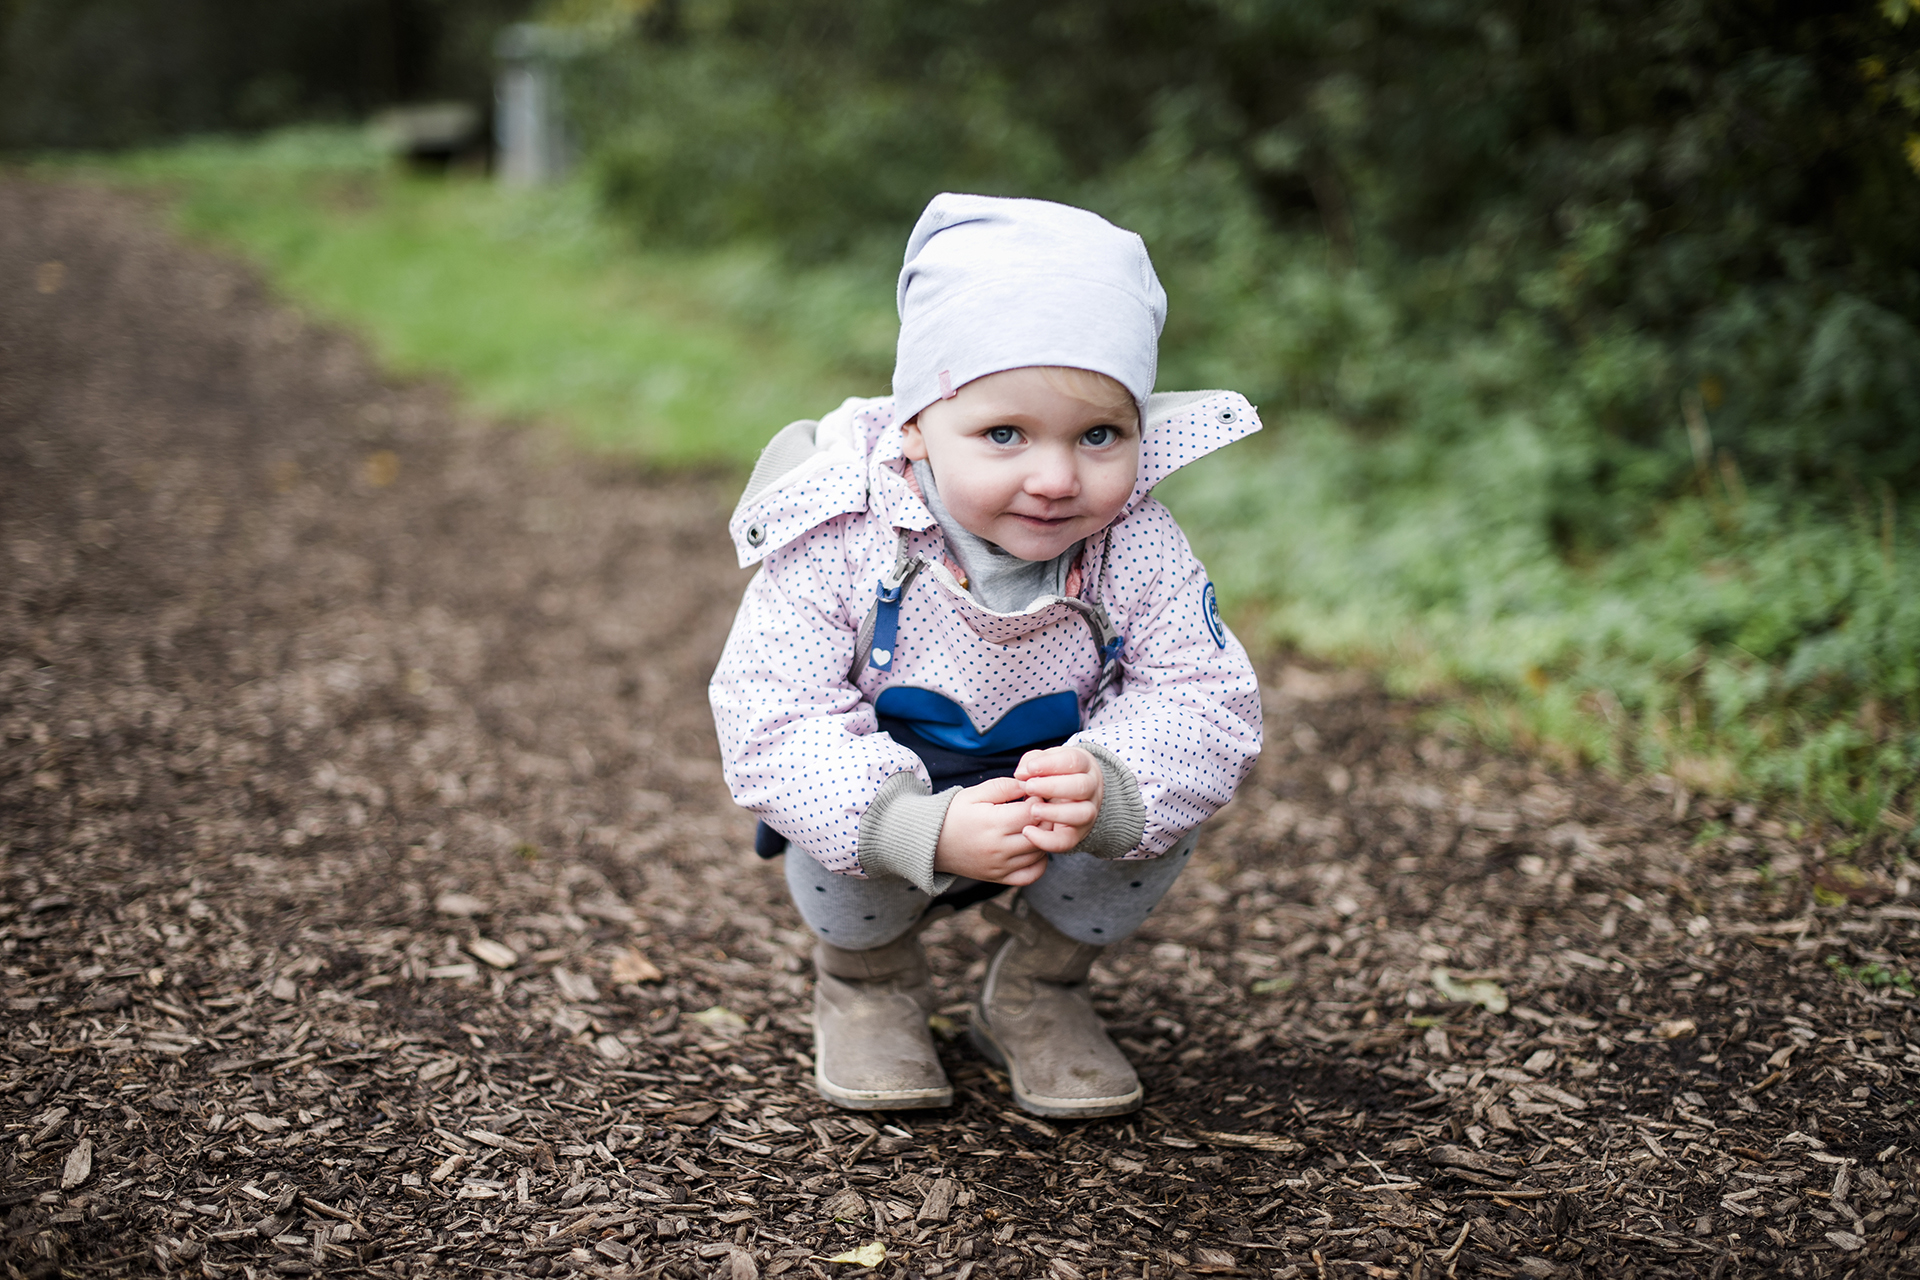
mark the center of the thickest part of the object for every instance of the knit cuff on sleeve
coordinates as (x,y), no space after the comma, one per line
(900,831)
(1122,821)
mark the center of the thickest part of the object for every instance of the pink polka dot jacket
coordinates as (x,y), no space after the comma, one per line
(817,656)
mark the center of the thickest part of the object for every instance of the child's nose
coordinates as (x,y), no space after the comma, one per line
(1053,476)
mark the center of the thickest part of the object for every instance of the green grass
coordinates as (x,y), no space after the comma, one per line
(526,300)
(1743,645)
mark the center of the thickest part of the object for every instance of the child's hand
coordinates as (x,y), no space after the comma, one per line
(984,836)
(1067,786)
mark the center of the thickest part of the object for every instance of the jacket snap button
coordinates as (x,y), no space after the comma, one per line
(755,535)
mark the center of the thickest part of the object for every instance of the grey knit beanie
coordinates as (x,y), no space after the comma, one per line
(991,284)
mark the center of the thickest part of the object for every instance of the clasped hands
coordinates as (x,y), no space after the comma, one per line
(1003,829)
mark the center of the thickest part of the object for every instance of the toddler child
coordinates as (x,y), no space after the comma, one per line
(979,655)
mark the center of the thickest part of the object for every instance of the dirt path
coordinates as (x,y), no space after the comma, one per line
(372,904)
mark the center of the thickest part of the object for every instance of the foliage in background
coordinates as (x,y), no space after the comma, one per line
(106,73)
(1589,332)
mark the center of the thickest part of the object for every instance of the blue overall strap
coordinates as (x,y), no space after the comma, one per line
(886,624)
(1108,640)
(880,633)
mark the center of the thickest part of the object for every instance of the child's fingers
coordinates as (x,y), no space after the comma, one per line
(1058,839)
(995,791)
(1071,813)
(1063,786)
(1025,875)
(1053,760)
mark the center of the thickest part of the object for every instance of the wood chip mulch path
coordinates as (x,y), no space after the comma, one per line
(373,907)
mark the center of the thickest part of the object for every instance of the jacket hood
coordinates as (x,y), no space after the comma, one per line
(991,284)
(851,461)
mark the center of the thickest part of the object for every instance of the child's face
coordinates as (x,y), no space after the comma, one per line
(1026,464)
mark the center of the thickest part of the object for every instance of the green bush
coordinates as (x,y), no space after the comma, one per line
(711,144)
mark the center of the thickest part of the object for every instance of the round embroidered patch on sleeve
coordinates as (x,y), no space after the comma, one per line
(1211,604)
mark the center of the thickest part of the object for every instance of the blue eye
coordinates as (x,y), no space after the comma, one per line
(1003,435)
(1099,437)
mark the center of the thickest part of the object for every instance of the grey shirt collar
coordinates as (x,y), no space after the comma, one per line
(998,579)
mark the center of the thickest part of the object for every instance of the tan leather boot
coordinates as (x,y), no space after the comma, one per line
(1035,1018)
(871,1047)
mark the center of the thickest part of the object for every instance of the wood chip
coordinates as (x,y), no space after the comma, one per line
(499,1141)
(939,1201)
(1452,1157)
(1028,1122)
(741,1144)
(497,954)
(79,1165)
(1254,1141)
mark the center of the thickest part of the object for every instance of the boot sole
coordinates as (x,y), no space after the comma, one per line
(876,1099)
(1052,1108)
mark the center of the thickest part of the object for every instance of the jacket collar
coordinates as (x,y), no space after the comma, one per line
(855,460)
(1182,427)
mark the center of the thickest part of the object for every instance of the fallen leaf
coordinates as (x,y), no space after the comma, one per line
(497,954)
(1843,882)
(720,1019)
(1485,992)
(79,1165)
(867,1255)
(631,966)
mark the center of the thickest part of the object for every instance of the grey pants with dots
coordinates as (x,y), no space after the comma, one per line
(1091,900)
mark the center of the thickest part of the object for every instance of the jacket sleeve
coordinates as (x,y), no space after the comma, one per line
(797,742)
(1187,718)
